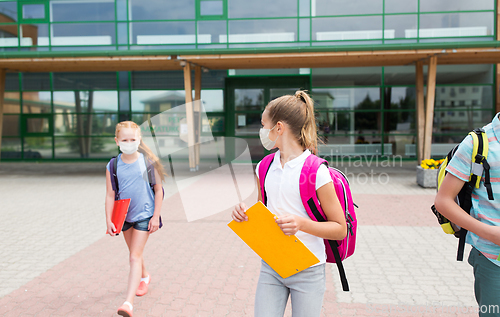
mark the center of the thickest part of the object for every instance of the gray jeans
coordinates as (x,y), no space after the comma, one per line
(306,289)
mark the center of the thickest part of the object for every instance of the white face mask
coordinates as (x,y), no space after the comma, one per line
(129,147)
(267,143)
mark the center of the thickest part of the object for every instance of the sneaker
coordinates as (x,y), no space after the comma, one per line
(125,310)
(143,288)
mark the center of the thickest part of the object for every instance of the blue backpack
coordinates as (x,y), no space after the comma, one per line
(113,166)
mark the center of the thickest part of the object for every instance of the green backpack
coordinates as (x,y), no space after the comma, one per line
(464,197)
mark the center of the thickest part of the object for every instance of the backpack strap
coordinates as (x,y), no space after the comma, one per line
(307,187)
(113,164)
(264,166)
(150,173)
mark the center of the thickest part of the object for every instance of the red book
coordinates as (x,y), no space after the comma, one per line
(120,210)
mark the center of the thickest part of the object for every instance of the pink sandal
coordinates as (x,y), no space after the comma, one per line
(143,288)
(125,310)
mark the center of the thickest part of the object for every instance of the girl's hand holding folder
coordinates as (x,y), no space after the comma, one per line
(111,229)
(239,213)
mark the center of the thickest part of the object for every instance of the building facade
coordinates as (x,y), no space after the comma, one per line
(362,108)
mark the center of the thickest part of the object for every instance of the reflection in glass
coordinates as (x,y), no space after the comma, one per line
(162,9)
(62,11)
(248,123)
(96,147)
(347,98)
(145,33)
(398,6)
(459,121)
(346,7)
(33,11)
(455,5)
(349,28)
(249,99)
(261,9)
(213,100)
(11,148)
(216,124)
(10,125)
(11,102)
(69,124)
(85,101)
(278,92)
(8,11)
(37,125)
(357,145)
(468,98)
(38,148)
(211,8)
(34,34)
(36,102)
(211,31)
(454,25)
(304,29)
(252,31)
(156,101)
(346,76)
(8,35)
(83,34)
(399,24)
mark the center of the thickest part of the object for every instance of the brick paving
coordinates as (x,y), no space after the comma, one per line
(56,261)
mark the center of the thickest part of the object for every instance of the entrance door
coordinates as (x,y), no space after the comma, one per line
(246,98)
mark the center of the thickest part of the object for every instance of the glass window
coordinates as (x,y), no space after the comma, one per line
(211,31)
(456,25)
(121,10)
(11,102)
(251,31)
(82,10)
(11,148)
(83,34)
(399,75)
(158,80)
(249,99)
(211,7)
(36,81)
(465,74)
(8,10)
(456,5)
(347,98)
(38,148)
(398,6)
(10,125)
(304,29)
(156,101)
(482,98)
(34,35)
(304,8)
(66,124)
(213,100)
(261,9)
(162,9)
(85,101)
(346,7)
(146,33)
(33,11)
(8,36)
(248,123)
(216,124)
(348,28)
(401,98)
(401,26)
(346,76)
(449,121)
(11,81)
(85,147)
(85,81)
(400,122)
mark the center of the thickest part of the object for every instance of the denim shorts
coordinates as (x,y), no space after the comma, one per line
(141,225)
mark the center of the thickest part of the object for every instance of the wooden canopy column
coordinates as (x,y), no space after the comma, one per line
(197,112)
(2,92)
(429,107)
(419,71)
(190,116)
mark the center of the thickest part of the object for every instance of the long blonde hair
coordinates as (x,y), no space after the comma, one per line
(298,112)
(143,148)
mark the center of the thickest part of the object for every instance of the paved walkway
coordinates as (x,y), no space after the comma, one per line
(56,261)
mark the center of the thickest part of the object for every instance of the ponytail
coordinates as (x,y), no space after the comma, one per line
(298,112)
(143,148)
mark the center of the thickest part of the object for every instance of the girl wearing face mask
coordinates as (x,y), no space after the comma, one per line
(288,124)
(143,217)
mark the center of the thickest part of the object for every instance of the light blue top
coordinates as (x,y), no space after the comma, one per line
(487,211)
(133,184)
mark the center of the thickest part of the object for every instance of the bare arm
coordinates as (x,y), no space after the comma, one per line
(334,228)
(446,205)
(154,223)
(108,204)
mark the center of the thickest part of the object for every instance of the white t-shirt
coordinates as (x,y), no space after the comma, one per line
(283,195)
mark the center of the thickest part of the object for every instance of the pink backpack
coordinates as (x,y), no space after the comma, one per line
(336,251)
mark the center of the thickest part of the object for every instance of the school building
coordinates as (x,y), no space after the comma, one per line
(389,77)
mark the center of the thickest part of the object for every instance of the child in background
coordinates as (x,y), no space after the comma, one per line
(289,125)
(143,217)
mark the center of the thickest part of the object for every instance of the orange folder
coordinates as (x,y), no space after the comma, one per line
(120,210)
(287,255)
